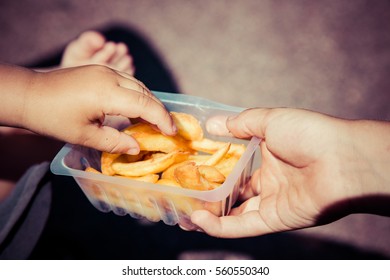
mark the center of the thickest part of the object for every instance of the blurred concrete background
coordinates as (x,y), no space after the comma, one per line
(329,56)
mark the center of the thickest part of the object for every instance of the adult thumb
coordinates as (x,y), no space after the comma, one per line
(251,122)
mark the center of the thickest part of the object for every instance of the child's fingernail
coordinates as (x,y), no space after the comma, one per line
(133,151)
(174,129)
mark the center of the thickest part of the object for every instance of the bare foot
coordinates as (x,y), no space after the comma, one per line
(92,48)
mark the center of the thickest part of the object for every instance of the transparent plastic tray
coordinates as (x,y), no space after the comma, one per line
(154,202)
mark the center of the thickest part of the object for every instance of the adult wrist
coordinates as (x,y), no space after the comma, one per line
(371,147)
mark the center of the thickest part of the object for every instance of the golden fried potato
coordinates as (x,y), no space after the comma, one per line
(168,182)
(189,177)
(226,165)
(211,174)
(218,155)
(106,161)
(210,146)
(169,173)
(92,170)
(153,165)
(149,178)
(174,160)
(187,126)
(186,160)
(133,158)
(152,140)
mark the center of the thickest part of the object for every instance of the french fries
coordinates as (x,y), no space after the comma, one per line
(187,160)
(187,126)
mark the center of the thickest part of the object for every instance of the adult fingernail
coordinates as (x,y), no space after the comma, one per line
(231,118)
(217,125)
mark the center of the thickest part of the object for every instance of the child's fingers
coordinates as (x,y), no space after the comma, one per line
(133,104)
(108,139)
(130,82)
(133,84)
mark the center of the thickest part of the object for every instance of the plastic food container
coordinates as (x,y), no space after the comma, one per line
(155,202)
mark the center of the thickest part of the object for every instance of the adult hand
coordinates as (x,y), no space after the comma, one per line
(310,163)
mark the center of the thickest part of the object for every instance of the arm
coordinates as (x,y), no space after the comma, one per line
(14,83)
(315,169)
(71,105)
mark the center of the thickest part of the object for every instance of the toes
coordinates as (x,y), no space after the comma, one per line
(91,48)
(82,49)
(121,49)
(125,65)
(92,40)
(122,60)
(105,55)
(120,53)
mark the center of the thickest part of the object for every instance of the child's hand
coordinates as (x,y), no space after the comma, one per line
(71,105)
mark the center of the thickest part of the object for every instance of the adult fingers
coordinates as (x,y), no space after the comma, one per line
(244,225)
(216,125)
(251,122)
(253,187)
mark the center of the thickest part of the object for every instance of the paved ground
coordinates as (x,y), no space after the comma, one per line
(329,56)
